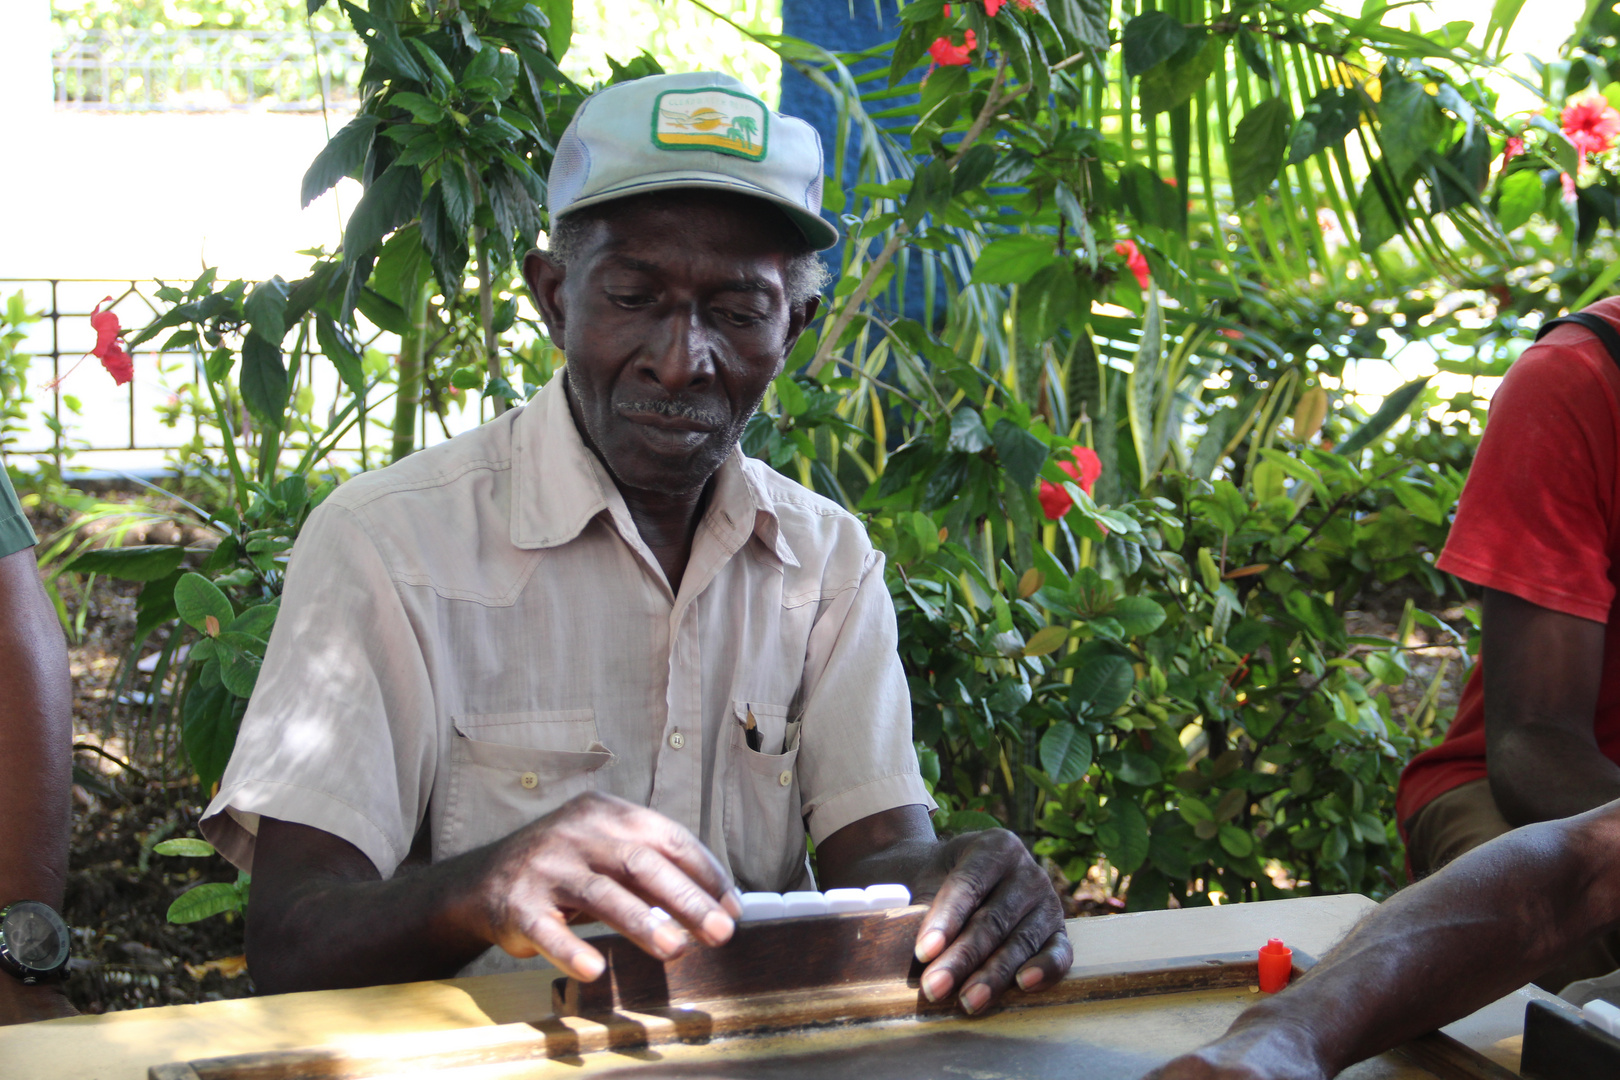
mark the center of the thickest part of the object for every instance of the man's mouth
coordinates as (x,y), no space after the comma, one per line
(669,416)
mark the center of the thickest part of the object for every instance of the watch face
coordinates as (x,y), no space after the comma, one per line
(34,936)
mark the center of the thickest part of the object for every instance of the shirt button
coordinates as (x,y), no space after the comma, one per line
(786,778)
(529,780)
(676,740)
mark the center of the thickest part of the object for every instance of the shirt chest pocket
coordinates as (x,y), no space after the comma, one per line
(764,828)
(508,769)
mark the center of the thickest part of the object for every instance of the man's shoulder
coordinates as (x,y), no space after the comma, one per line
(793,501)
(432,473)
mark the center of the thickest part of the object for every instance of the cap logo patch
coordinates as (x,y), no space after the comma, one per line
(711,119)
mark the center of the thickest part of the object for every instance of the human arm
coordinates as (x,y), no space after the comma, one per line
(1543,670)
(36,743)
(1456,941)
(993,916)
(322,916)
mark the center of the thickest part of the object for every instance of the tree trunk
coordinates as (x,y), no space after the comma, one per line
(410,377)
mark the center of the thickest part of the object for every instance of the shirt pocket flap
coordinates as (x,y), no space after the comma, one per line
(553,744)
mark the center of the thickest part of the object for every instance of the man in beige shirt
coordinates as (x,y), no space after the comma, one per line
(589,659)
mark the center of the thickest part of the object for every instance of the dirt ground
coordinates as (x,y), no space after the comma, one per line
(126,954)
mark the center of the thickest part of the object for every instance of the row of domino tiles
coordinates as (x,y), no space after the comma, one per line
(769,905)
(758,906)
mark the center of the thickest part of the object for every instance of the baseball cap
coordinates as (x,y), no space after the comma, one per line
(699,129)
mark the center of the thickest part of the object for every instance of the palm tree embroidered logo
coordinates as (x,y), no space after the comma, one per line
(711,119)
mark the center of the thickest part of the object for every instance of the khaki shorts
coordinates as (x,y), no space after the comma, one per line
(1466,817)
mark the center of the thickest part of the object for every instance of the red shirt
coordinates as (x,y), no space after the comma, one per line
(1539,518)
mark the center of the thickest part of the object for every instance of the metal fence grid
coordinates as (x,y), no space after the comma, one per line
(206,70)
(74,413)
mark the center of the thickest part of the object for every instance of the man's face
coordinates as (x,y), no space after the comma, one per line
(674,317)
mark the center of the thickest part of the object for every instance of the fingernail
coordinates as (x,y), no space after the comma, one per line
(588,964)
(732,902)
(929,944)
(936,984)
(717,927)
(669,939)
(1028,977)
(975,997)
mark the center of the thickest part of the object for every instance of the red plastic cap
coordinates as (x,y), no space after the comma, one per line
(1276,966)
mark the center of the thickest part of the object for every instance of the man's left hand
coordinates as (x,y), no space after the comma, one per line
(995,919)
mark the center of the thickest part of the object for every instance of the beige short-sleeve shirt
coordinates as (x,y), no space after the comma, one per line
(475,635)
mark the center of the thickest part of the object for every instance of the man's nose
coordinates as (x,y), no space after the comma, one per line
(683,360)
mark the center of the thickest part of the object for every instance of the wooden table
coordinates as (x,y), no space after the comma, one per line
(122,1046)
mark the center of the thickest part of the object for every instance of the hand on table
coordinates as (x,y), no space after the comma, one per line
(1265,1051)
(21,1004)
(608,859)
(994,918)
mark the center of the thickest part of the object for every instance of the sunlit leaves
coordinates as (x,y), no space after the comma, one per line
(1258,148)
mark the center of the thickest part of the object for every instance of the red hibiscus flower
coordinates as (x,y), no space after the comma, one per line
(108,349)
(993,6)
(947,55)
(1135,261)
(1514,147)
(1084,466)
(1235,335)
(1592,124)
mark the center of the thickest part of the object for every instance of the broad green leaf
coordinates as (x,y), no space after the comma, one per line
(393,198)
(335,346)
(197,598)
(1138,769)
(210,718)
(1238,843)
(1065,752)
(423,110)
(1393,408)
(967,431)
(1021,453)
(210,898)
(342,156)
(1329,117)
(147,562)
(1150,40)
(1409,123)
(791,395)
(264,381)
(1522,194)
(1378,214)
(1193,809)
(1103,685)
(1084,21)
(1258,147)
(1171,85)
(457,192)
(1129,835)
(1012,260)
(185,846)
(1137,615)
(1045,640)
(266,309)
(961,821)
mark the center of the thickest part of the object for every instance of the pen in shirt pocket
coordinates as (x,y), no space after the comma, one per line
(751,731)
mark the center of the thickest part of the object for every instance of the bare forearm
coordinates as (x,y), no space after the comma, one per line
(1539,773)
(36,738)
(323,932)
(1487,924)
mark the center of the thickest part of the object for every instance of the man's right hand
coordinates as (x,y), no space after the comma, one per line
(601,857)
(1268,1051)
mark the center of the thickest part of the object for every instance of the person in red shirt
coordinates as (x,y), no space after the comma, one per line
(1537,731)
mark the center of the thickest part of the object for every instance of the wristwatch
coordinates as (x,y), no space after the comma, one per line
(33,942)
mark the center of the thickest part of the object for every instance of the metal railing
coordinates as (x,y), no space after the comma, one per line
(206,70)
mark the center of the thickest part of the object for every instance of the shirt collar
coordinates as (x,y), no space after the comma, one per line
(559,486)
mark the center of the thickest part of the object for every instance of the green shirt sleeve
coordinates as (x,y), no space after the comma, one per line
(15,533)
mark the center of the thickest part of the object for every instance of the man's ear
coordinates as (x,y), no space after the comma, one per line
(545,278)
(799,316)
